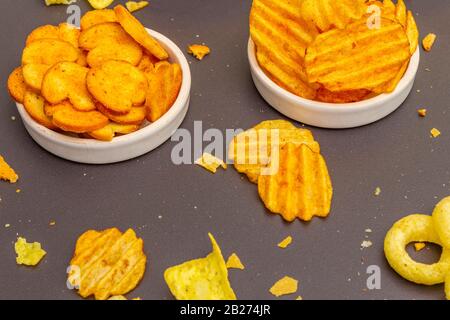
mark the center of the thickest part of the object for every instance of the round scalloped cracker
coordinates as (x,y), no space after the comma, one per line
(108,132)
(50,109)
(33,75)
(108,31)
(147,63)
(128,51)
(415,228)
(69,33)
(49,51)
(43,32)
(67,80)
(441,218)
(118,86)
(71,120)
(135,29)
(135,117)
(34,105)
(94,17)
(107,263)
(16,85)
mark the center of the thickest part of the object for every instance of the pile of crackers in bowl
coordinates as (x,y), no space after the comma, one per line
(334,51)
(108,78)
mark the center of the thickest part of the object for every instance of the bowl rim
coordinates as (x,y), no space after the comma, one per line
(409,76)
(143,132)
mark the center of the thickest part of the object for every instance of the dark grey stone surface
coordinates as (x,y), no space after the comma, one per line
(395,154)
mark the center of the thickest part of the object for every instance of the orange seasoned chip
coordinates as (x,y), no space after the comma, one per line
(33,75)
(349,96)
(199,51)
(34,105)
(107,263)
(71,120)
(94,17)
(108,132)
(136,115)
(49,52)
(234,262)
(6,172)
(16,85)
(164,86)
(285,286)
(297,184)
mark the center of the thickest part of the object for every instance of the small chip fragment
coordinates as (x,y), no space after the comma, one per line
(199,51)
(52,2)
(435,133)
(234,262)
(117,298)
(52,223)
(6,172)
(133,6)
(366,244)
(29,254)
(285,286)
(377,191)
(285,243)
(210,163)
(422,112)
(419,246)
(428,41)
(299,298)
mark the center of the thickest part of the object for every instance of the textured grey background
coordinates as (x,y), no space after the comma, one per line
(396,154)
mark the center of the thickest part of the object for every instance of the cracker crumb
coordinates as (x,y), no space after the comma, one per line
(285,286)
(210,163)
(366,244)
(422,112)
(368,230)
(428,41)
(299,298)
(7,225)
(18,191)
(6,172)
(52,223)
(435,133)
(419,246)
(285,243)
(199,51)
(13,118)
(377,191)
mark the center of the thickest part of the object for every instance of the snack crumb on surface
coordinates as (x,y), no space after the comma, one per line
(210,163)
(6,172)
(234,262)
(199,51)
(133,6)
(285,243)
(419,246)
(422,112)
(428,41)
(435,133)
(285,286)
(366,244)
(377,191)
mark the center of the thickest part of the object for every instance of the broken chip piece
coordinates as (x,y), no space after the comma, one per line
(285,243)
(428,41)
(210,162)
(422,112)
(234,262)
(6,172)
(29,254)
(285,286)
(107,263)
(201,279)
(419,246)
(133,6)
(199,51)
(435,133)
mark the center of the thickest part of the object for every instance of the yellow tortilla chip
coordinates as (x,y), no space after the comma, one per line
(201,279)
(29,254)
(210,163)
(234,262)
(199,51)
(6,172)
(285,243)
(133,6)
(285,286)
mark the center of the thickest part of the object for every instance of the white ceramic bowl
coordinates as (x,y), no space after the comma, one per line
(122,148)
(329,115)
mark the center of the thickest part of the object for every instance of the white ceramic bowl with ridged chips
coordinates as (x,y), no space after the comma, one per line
(332,115)
(121,148)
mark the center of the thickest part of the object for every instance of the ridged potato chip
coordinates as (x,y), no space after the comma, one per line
(298,186)
(201,279)
(136,115)
(34,105)
(135,29)
(164,86)
(281,37)
(401,13)
(412,32)
(16,85)
(147,63)
(49,52)
(67,80)
(328,96)
(6,172)
(251,150)
(118,86)
(329,14)
(112,129)
(415,228)
(94,17)
(107,263)
(71,120)
(441,219)
(347,59)
(33,75)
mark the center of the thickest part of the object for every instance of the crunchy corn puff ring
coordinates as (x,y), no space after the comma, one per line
(441,219)
(415,228)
